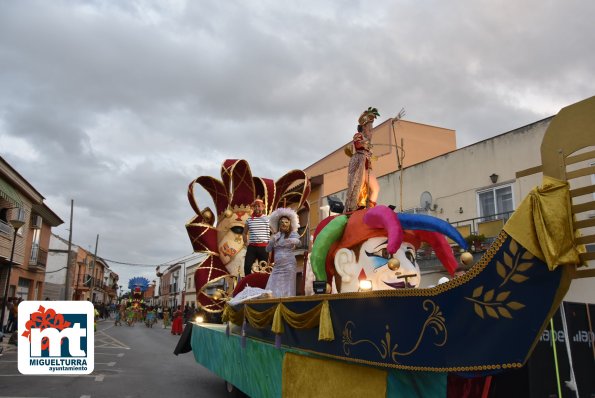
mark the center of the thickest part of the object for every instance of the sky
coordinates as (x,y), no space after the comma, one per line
(119,105)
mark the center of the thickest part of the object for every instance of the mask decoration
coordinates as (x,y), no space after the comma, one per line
(137,286)
(219,233)
(379,245)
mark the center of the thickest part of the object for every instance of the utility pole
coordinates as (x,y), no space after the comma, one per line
(93,268)
(67,281)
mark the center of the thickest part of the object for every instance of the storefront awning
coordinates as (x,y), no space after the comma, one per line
(8,193)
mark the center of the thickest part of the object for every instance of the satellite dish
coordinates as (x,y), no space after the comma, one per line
(425,200)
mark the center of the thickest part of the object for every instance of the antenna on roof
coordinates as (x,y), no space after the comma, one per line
(400,152)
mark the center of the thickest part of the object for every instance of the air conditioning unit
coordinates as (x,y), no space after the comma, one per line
(36,221)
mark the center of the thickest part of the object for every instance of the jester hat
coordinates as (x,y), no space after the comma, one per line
(347,231)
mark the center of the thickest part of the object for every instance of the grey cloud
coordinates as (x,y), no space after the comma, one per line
(127,102)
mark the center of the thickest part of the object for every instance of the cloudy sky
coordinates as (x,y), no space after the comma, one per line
(120,104)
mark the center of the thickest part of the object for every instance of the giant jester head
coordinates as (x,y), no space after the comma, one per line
(380,246)
(219,233)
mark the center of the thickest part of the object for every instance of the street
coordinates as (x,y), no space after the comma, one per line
(134,361)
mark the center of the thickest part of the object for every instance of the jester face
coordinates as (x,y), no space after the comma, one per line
(372,263)
(230,234)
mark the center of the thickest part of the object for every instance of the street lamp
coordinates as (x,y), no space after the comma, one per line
(16,222)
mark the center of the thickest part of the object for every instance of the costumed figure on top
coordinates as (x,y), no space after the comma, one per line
(284,224)
(362,186)
(219,233)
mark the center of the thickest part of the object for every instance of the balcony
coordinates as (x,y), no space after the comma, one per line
(38,258)
(488,226)
(83,282)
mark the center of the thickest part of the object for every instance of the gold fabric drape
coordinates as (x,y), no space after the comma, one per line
(233,316)
(543,224)
(304,376)
(275,315)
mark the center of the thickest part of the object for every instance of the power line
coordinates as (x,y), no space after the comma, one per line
(170,262)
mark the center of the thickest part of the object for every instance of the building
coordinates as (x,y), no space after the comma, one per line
(22,205)
(149,295)
(175,282)
(190,296)
(88,279)
(170,285)
(55,278)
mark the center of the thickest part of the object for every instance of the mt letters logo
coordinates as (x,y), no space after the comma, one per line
(56,337)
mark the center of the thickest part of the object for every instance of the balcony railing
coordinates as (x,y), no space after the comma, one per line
(489,225)
(38,257)
(83,281)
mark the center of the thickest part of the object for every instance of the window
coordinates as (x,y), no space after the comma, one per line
(35,247)
(174,283)
(493,202)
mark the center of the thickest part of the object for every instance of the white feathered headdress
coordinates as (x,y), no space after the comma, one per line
(284,212)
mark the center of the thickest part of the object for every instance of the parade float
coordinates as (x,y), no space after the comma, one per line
(137,286)
(397,339)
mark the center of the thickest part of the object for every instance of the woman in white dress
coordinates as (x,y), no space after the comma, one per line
(284,225)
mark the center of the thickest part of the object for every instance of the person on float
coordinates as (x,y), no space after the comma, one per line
(284,224)
(379,245)
(257,234)
(362,185)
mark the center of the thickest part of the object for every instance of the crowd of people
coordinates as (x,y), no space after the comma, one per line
(169,317)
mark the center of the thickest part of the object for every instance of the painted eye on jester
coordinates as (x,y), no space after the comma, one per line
(380,257)
(410,254)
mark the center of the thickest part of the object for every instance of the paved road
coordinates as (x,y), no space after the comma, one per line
(129,362)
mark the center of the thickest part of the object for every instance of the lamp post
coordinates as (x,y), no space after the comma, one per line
(16,223)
